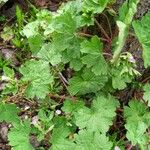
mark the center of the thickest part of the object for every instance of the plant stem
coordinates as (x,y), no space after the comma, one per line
(63,79)
(102,30)
(62,97)
(109,25)
(89,35)
(130,147)
(84,34)
(121,40)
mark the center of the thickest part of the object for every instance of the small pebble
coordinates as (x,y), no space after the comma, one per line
(58,112)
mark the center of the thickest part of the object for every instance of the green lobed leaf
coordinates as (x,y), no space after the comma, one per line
(8,72)
(94,56)
(137,121)
(86,82)
(87,140)
(119,81)
(72,107)
(31,29)
(9,77)
(64,38)
(19,17)
(76,64)
(19,137)
(59,136)
(99,117)
(6,113)
(35,43)
(67,26)
(50,54)
(142,30)
(127,11)
(73,7)
(94,6)
(42,21)
(146,95)
(39,76)
(126,14)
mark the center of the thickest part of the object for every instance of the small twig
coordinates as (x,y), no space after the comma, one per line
(63,79)
(130,147)
(9,20)
(146,79)
(62,97)
(102,30)
(110,30)
(107,54)
(89,35)
(84,34)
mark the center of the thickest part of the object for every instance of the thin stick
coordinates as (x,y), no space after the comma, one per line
(62,97)
(145,80)
(107,54)
(102,30)
(84,34)
(89,35)
(130,147)
(62,78)
(110,30)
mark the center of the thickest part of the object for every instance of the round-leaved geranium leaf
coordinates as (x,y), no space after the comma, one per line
(39,76)
(99,117)
(19,137)
(137,121)
(146,95)
(86,82)
(6,113)
(86,140)
(142,30)
(94,57)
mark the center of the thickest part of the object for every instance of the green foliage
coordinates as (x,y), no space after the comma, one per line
(99,117)
(19,137)
(48,53)
(20,17)
(142,29)
(89,140)
(86,82)
(35,43)
(94,6)
(124,71)
(137,121)
(9,76)
(94,57)
(74,79)
(6,113)
(42,21)
(7,34)
(146,95)
(39,76)
(126,13)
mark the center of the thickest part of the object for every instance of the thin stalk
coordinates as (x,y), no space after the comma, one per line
(109,25)
(124,28)
(89,36)
(84,34)
(62,97)
(63,79)
(121,40)
(102,30)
